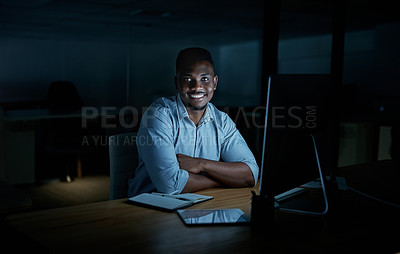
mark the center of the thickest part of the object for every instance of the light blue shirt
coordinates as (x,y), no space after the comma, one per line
(166,130)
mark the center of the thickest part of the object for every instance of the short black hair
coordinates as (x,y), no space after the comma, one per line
(189,56)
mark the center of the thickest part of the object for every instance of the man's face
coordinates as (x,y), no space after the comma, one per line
(196,85)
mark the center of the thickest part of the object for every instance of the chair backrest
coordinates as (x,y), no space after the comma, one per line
(63,97)
(123,162)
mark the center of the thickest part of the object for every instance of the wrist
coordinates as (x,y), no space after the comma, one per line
(203,165)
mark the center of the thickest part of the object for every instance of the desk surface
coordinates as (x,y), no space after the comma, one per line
(116,226)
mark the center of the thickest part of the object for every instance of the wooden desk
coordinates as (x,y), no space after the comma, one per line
(116,226)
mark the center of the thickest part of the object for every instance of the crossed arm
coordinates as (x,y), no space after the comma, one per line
(217,173)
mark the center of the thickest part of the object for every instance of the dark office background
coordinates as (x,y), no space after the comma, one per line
(122,52)
(104,46)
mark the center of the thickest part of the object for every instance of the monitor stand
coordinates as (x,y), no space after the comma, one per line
(262,212)
(263,206)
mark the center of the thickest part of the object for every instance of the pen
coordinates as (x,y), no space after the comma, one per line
(172,196)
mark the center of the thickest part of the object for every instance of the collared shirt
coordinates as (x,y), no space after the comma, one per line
(166,130)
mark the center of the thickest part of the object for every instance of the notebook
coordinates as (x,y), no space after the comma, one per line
(168,202)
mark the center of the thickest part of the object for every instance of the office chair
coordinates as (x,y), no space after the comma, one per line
(61,135)
(123,162)
(63,97)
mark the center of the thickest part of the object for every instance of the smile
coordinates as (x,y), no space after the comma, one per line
(197,95)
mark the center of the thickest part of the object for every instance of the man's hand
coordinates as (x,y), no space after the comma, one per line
(190,164)
(233,174)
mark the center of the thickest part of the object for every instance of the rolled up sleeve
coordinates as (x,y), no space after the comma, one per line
(235,149)
(156,148)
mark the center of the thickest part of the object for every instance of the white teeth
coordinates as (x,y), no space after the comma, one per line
(196,96)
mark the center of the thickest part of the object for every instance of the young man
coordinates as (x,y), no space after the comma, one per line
(185,143)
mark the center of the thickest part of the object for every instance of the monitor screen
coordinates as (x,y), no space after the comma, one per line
(297,106)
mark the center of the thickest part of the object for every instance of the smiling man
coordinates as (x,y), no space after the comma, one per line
(185,143)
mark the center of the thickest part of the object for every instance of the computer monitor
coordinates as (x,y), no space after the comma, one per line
(297,107)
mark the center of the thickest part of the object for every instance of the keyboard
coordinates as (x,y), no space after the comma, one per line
(289,194)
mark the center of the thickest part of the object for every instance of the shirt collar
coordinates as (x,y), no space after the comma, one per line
(182,112)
